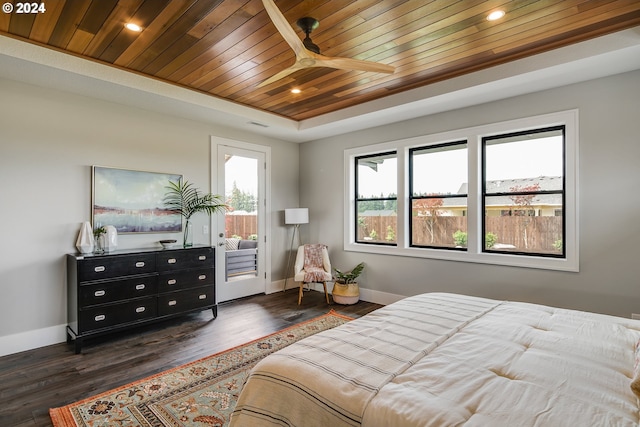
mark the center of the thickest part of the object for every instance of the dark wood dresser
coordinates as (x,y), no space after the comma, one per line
(123,289)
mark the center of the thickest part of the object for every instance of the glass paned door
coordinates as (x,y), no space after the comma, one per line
(240,231)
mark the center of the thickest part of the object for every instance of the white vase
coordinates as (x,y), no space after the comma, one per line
(110,238)
(85,241)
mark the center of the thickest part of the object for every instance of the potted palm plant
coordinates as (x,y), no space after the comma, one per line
(183,198)
(345,288)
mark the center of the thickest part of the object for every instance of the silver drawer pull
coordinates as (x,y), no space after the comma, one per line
(99,293)
(99,269)
(202,277)
(172,282)
(171,260)
(140,264)
(173,302)
(99,317)
(202,257)
(203,296)
(140,309)
(140,287)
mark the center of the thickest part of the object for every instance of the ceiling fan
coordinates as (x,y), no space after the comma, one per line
(307,53)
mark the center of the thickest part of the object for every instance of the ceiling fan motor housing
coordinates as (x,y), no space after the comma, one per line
(307,25)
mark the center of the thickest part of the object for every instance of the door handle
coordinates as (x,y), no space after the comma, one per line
(221,244)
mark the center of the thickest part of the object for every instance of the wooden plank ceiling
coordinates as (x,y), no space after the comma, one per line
(227,48)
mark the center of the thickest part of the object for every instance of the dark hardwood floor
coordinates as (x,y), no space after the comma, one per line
(33,381)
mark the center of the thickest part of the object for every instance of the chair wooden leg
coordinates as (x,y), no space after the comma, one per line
(326,294)
(300,292)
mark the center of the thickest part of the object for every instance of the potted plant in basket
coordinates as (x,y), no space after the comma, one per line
(186,200)
(345,288)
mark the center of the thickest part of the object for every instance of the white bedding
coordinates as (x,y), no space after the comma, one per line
(451,360)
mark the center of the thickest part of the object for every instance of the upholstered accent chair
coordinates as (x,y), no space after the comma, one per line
(312,266)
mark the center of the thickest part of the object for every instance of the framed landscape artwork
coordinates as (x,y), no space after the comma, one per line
(132,201)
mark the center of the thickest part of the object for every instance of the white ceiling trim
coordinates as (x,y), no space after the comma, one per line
(608,55)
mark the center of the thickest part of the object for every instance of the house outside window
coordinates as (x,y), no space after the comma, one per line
(503,193)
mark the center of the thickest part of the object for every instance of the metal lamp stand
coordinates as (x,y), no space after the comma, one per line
(286,272)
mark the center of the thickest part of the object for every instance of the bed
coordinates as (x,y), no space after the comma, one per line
(443,359)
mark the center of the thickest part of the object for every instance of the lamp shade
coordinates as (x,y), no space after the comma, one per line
(296,216)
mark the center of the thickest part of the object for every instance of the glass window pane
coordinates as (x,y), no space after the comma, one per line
(528,162)
(439,222)
(377,176)
(241,219)
(439,170)
(377,221)
(520,172)
(536,227)
(241,192)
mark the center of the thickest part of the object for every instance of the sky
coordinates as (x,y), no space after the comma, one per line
(242,171)
(444,172)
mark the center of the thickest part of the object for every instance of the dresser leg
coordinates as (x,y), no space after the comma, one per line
(214,309)
(78,345)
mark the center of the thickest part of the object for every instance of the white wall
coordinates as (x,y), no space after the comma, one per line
(609,158)
(48,142)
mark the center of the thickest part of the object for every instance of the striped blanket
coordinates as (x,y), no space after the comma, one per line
(453,360)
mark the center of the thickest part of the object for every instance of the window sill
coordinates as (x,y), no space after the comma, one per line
(538,262)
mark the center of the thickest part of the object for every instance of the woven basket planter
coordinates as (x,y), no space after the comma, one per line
(346,293)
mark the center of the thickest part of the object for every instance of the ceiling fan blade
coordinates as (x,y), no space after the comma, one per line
(282,74)
(306,58)
(283,27)
(353,64)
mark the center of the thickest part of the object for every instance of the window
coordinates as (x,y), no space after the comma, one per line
(376,198)
(438,195)
(503,193)
(523,192)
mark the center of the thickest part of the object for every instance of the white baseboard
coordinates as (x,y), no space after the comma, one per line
(29,340)
(279,285)
(368,295)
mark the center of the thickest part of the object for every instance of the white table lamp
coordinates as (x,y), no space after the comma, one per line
(296,216)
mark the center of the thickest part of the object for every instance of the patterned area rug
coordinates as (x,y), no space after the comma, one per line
(202,393)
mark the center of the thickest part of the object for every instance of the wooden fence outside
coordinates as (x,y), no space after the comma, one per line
(542,232)
(241,225)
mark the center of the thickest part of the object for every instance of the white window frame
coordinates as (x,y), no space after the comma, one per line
(474,253)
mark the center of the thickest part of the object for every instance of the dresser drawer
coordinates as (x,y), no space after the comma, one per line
(121,289)
(175,281)
(100,317)
(106,267)
(185,258)
(117,290)
(177,302)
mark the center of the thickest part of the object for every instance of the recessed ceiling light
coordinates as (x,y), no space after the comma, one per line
(133,27)
(296,90)
(495,15)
